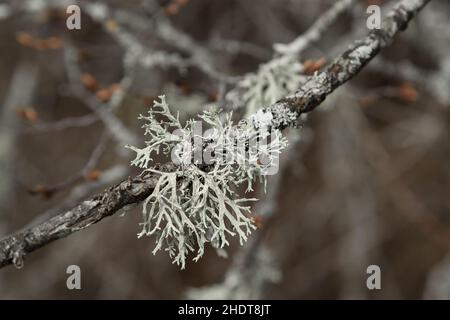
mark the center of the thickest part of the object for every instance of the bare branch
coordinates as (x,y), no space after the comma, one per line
(105,112)
(316,31)
(15,247)
(77,194)
(348,64)
(68,122)
(80,175)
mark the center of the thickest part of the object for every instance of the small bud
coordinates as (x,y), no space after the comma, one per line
(89,81)
(172,9)
(115,87)
(104,95)
(39,45)
(214,96)
(112,25)
(258,221)
(54,43)
(42,191)
(408,93)
(368,100)
(28,114)
(311,66)
(93,175)
(25,39)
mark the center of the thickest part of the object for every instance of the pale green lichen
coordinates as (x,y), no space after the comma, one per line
(273,80)
(198,203)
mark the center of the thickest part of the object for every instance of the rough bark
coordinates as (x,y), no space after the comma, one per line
(131,191)
(345,66)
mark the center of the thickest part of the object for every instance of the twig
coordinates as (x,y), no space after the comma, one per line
(104,111)
(82,173)
(435,82)
(348,64)
(108,177)
(199,57)
(68,122)
(316,31)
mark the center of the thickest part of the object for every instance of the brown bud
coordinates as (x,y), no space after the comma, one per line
(28,114)
(367,100)
(112,25)
(25,39)
(214,96)
(54,43)
(310,66)
(104,95)
(408,93)
(89,81)
(258,221)
(42,191)
(39,45)
(172,9)
(115,87)
(93,175)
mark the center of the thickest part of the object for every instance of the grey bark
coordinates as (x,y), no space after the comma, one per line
(131,191)
(345,66)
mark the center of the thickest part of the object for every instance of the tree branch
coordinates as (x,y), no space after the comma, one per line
(316,31)
(128,192)
(13,248)
(347,65)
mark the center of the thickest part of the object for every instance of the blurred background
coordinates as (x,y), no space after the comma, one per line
(366,179)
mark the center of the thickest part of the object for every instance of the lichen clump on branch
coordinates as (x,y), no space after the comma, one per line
(198,203)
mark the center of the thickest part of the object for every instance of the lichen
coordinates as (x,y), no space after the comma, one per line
(197,203)
(273,80)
